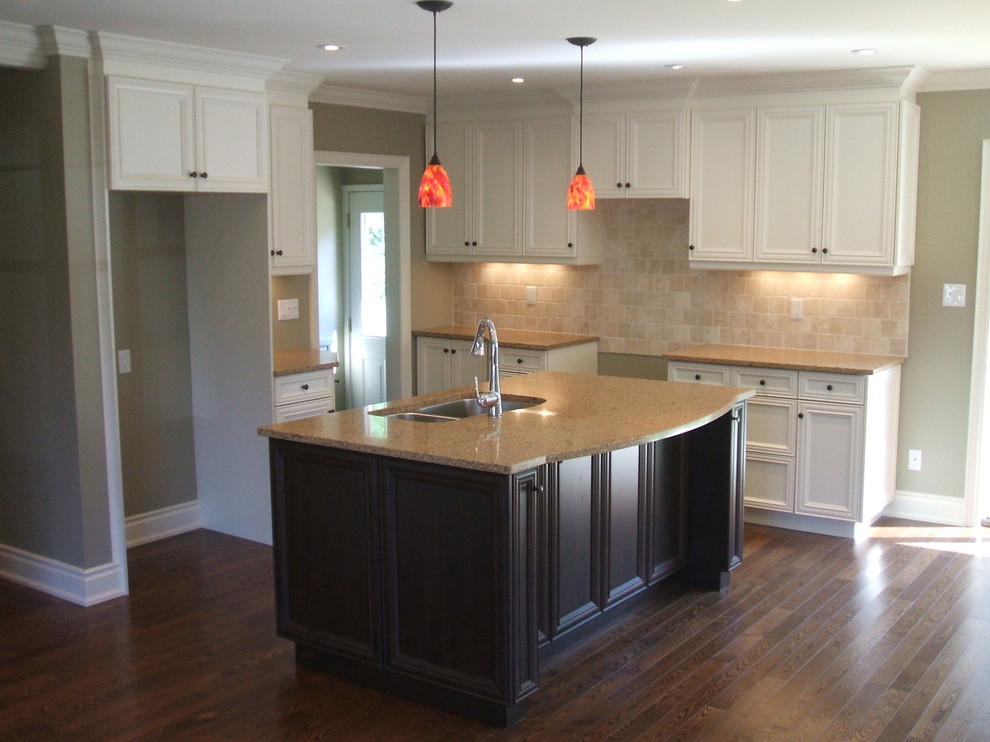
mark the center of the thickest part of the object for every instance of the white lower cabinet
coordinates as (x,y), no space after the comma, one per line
(305,394)
(807,433)
(445,363)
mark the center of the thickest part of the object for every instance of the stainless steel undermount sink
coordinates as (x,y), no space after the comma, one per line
(458,409)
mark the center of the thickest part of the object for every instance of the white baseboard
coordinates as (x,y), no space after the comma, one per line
(159,524)
(946,511)
(82,586)
(796,522)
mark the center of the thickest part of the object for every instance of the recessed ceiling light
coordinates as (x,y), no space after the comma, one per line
(330,47)
(679,66)
(866,52)
(518,80)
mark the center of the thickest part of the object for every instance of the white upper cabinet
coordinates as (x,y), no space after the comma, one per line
(641,154)
(817,187)
(175,137)
(723,166)
(484,162)
(292,231)
(510,179)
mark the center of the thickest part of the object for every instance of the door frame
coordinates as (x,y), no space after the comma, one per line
(398,281)
(978,442)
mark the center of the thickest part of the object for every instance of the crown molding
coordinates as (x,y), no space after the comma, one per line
(340,96)
(65,42)
(904,80)
(288,81)
(21,47)
(115,48)
(957,80)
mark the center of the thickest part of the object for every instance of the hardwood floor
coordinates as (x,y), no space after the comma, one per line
(819,638)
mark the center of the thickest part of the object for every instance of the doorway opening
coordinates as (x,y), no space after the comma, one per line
(362,284)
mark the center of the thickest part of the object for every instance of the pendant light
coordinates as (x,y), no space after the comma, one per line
(434,188)
(581,194)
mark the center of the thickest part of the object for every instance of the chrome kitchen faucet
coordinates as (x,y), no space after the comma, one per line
(492,399)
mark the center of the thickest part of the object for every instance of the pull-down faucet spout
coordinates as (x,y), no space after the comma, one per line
(492,399)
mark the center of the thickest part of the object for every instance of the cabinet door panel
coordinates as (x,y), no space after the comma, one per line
(657,158)
(293,194)
(152,141)
(723,162)
(770,481)
(331,518)
(667,493)
(604,153)
(860,183)
(771,425)
(790,152)
(498,174)
(830,460)
(448,228)
(548,223)
(232,140)
(464,367)
(625,570)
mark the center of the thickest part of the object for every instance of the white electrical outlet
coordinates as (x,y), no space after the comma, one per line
(797,308)
(123,361)
(531,295)
(288,309)
(914,459)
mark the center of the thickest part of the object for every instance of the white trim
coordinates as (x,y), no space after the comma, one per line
(401,165)
(369,99)
(158,524)
(66,42)
(941,509)
(21,47)
(797,522)
(82,586)
(979,405)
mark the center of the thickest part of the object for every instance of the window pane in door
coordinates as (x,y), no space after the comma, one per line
(373,274)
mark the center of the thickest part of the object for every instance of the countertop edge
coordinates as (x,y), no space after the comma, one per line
(506,339)
(871,364)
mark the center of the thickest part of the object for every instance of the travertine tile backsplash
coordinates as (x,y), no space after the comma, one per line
(644,299)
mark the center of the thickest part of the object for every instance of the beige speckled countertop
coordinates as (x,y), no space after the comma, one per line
(582,415)
(300,360)
(528,339)
(801,360)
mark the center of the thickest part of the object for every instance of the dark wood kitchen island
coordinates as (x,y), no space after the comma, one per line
(445,561)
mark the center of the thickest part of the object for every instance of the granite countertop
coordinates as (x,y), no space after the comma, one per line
(582,415)
(527,339)
(301,360)
(800,360)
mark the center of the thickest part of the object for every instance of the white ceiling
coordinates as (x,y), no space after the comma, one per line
(483,43)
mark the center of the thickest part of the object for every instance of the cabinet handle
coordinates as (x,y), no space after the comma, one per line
(628,185)
(570,244)
(690,247)
(473,243)
(828,387)
(800,416)
(331,410)
(618,185)
(193,174)
(763,382)
(824,250)
(814,249)
(467,243)
(446,350)
(272,253)
(305,387)
(278,252)
(203,175)
(453,350)
(697,377)
(519,360)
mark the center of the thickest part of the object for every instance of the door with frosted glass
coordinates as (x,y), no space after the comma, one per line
(364,373)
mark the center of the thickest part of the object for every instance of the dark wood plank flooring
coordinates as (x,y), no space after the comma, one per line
(819,638)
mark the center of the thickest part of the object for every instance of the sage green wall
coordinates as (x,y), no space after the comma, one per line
(373,131)
(154,400)
(53,502)
(936,379)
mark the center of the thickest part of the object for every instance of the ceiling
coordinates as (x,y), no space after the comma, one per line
(483,43)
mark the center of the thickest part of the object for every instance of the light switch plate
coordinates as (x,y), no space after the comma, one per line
(288,309)
(954,295)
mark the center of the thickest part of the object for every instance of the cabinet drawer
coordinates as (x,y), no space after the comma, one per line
(300,387)
(832,387)
(700,373)
(522,361)
(773,381)
(298,410)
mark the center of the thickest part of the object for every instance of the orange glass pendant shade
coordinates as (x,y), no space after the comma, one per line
(581,194)
(434,188)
